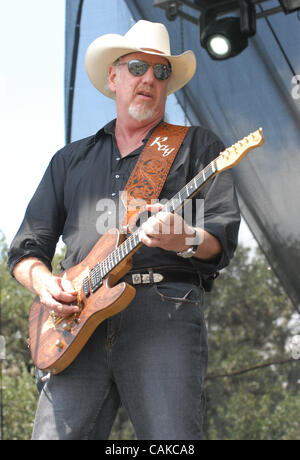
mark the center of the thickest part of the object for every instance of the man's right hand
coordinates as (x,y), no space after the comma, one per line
(55,293)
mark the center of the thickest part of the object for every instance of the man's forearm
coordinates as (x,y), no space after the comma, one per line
(55,292)
(32,274)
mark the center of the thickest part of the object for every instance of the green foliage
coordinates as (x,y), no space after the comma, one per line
(122,428)
(19,390)
(19,403)
(249,322)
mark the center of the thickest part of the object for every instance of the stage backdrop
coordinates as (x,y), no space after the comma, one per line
(232,97)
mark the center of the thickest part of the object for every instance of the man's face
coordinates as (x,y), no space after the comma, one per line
(142,97)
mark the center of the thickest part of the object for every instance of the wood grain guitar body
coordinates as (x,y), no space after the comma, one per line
(56,341)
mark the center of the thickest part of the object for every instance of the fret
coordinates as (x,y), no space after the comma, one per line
(105,266)
(199,181)
(191,188)
(126,244)
(102,270)
(136,238)
(172,206)
(213,167)
(195,183)
(129,241)
(183,195)
(169,206)
(95,278)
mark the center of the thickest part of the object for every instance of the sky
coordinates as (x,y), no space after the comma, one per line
(31,102)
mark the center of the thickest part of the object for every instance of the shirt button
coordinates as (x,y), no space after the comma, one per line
(118,159)
(117,176)
(113,194)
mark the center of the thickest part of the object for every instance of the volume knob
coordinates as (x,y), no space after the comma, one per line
(59,344)
(66,326)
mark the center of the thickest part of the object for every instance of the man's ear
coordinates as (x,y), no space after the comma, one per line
(112,77)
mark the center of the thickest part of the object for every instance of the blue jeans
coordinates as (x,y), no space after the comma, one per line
(151,357)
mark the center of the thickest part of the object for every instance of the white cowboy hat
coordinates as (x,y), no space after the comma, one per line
(146,37)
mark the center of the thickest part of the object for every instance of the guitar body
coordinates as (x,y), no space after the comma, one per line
(55,342)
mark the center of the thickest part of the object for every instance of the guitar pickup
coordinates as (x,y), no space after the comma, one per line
(86,287)
(95,278)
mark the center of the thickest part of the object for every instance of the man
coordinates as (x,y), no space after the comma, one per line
(152,356)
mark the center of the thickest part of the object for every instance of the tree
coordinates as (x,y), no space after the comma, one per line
(249,322)
(19,391)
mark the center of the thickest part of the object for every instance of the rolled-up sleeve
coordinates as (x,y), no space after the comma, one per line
(221,214)
(44,218)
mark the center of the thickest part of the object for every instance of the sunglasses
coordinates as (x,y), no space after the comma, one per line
(138,68)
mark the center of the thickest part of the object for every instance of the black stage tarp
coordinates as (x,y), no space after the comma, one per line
(233,97)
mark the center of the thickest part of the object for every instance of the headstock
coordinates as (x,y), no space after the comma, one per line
(234,154)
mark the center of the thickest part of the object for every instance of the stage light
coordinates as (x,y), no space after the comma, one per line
(222,38)
(219,45)
(226,37)
(289,6)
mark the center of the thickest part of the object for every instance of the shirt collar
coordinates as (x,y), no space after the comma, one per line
(110,127)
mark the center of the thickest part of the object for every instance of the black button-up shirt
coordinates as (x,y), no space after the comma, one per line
(79,192)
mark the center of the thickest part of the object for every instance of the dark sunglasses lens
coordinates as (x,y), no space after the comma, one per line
(161,71)
(138,68)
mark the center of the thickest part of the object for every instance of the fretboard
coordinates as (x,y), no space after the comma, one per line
(102,269)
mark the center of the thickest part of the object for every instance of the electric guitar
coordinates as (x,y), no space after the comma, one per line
(56,341)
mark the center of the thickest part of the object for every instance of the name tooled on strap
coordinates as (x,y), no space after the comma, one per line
(150,172)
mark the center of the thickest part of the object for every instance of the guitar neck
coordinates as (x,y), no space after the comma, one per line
(190,189)
(132,243)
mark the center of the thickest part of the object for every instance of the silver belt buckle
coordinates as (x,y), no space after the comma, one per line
(144,278)
(136,278)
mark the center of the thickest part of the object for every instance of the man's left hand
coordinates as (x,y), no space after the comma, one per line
(166,230)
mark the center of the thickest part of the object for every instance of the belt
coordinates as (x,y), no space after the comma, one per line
(157,275)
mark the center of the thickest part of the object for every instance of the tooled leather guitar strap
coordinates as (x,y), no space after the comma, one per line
(151,170)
